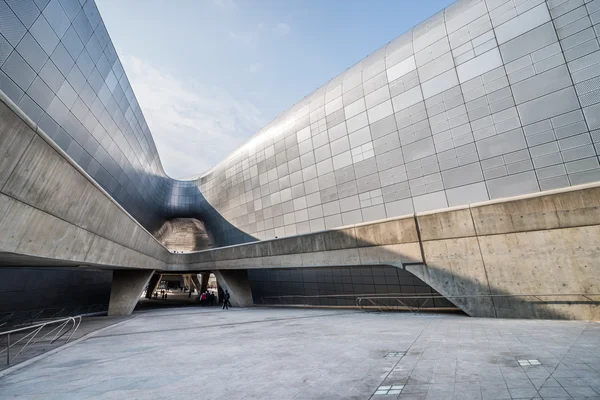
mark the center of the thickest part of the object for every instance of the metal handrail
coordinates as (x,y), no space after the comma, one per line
(35,330)
(282,299)
(20,318)
(374,301)
(322,296)
(4,320)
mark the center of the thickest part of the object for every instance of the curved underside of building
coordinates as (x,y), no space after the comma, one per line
(486,99)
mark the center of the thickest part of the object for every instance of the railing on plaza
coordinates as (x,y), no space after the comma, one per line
(21,318)
(343,300)
(35,334)
(415,303)
(418,302)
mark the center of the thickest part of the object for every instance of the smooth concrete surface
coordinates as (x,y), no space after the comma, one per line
(51,209)
(543,244)
(281,354)
(126,289)
(45,345)
(197,283)
(204,283)
(238,285)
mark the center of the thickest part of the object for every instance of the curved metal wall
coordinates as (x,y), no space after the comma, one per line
(58,64)
(486,99)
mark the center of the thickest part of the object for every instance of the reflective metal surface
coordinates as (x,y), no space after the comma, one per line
(486,99)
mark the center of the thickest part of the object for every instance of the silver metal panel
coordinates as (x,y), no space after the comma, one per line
(430,120)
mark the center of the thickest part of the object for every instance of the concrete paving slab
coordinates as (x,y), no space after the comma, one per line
(278,353)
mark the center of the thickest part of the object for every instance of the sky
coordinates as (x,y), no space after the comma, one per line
(208,74)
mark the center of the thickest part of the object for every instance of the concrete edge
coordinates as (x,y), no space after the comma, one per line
(443,210)
(339,228)
(39,357)
(17,110)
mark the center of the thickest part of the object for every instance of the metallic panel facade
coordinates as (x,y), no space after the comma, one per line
(486,99)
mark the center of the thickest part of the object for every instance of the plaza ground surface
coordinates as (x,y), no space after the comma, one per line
(270,353)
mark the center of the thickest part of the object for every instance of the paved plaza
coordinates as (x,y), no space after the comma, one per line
(271,353)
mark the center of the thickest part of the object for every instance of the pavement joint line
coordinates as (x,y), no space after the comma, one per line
(406,352)
(563,357)
(221,325)
(39,357)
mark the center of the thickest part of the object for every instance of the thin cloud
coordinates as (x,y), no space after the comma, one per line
(283,29)
(226,4)
(252,38)
(194,126)
(256,67)
(248,39)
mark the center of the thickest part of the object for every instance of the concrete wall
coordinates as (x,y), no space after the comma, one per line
(25,289)
(51,209)
(543,244)
(238,285)
(538,244)
(388,242)
(126,290)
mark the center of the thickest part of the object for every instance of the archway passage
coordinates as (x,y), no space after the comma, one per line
(179,290)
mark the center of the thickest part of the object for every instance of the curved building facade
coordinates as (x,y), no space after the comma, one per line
(486,99)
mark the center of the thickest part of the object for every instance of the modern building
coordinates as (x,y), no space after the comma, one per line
(486,99)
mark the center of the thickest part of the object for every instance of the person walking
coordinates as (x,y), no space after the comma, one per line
(226,302)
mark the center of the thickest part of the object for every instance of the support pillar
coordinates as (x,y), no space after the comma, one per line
(154,281)
(127,286)
(238,285)
(204,276)
(196,283)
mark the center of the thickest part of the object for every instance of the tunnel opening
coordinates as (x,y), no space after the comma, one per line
(180,290)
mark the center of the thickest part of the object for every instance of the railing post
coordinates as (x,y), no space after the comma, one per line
(8,349)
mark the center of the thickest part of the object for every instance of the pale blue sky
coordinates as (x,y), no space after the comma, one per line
(209,73)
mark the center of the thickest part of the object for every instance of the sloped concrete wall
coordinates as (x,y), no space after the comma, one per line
(236,282)
(51,209)
(126,290)
(542,244)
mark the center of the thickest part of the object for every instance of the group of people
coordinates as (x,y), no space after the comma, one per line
(207,298)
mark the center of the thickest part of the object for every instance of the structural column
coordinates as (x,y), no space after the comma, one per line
(127,286)
(196,283)
(154,281)
(204,277)
(238,285)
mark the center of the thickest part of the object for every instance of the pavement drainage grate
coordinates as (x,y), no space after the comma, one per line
(395,354)
(525,363)
(394,389)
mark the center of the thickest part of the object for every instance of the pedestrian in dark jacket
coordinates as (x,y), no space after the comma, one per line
(226,302)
